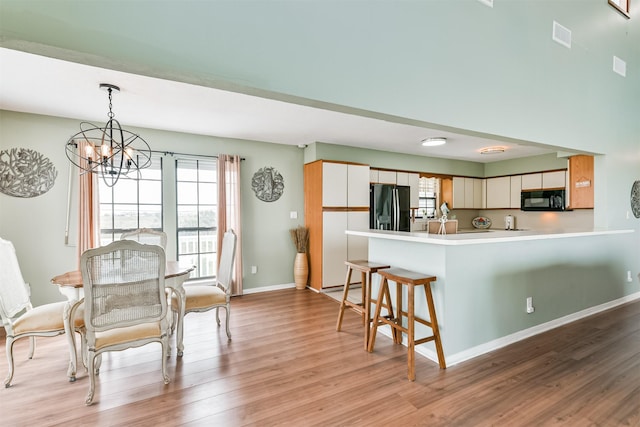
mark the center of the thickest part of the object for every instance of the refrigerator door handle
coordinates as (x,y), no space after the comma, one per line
(396,210)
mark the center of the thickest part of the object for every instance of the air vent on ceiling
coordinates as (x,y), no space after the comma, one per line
(487,2)
(561,35)
(619,66)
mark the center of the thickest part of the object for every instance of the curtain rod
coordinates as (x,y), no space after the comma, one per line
(173,153)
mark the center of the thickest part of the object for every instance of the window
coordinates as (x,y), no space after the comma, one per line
(621,6)
(196,195)
(428,190)
(134,202)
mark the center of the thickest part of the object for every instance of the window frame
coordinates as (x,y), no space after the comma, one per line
(623,9)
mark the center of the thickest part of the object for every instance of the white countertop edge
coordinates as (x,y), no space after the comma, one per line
(493,236)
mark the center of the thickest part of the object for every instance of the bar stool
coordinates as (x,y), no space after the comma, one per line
(411,280)
(366,269)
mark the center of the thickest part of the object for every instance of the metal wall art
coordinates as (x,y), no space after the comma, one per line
(268,184)
(635,199)
(25,173)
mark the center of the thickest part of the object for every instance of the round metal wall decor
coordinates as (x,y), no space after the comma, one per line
(635,199)
(268,184)
(25,173)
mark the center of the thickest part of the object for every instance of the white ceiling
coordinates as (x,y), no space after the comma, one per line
(37,84)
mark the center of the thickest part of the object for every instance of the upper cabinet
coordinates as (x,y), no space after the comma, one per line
(357,186)
(532,181)
(580,182)
(467,193)
(499,193)
(386,177)
(555,179)
(516,189)
(334,184)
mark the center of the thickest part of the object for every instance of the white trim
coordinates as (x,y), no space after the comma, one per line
(268,288)
(487,347)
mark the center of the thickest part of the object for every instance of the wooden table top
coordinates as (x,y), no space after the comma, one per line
(74,278)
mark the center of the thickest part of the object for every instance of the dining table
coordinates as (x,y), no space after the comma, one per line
(70,285)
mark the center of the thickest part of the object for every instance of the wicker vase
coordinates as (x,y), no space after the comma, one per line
(300,270)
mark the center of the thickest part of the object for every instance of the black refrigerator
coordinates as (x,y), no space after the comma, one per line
(389,207)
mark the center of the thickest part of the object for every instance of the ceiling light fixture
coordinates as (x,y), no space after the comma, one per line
(109,151)
(492,150)
(434,142)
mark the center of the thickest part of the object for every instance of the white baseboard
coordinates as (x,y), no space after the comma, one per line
(454,359)
(268,288)
(487,347)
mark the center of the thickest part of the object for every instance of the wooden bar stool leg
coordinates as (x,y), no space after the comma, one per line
(398,319)
(434,326)
(384,290)
(390,312)
(366,306)
(411,359)
(345,293)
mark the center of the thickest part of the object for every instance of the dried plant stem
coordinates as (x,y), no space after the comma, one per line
(300,238)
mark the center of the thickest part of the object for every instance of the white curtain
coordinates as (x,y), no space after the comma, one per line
(229,212)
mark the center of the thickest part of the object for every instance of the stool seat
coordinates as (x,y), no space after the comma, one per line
(367,269)
(410,279)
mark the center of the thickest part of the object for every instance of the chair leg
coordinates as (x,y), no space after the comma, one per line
(32,346)
(92,378)
(164,342)
(228,313)
(434,327)
(9,343)
(411,345)
(218,315)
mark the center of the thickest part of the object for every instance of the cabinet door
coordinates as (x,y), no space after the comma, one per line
(532,181)
(357,246)
(402,178)
(498,192)
(334,248)
(555,179)
(334,184)
(357,186)
(477,193)
(374,176)
(516,189)
(414,183)
(468,193)
(387,177)
(458,193)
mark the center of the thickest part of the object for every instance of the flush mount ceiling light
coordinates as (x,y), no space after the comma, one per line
(434,142)
(492,150)
(109,151)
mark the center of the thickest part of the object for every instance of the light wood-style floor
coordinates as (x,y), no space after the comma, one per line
(287,366)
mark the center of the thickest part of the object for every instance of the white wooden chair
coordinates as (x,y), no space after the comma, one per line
(146,236)
(21,320)
(200,298)
(125,301)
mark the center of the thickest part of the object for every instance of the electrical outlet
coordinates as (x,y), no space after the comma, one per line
(530,308)
(629,278)
(254,269)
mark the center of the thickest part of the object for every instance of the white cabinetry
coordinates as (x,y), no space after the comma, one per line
(532,181)
(555,179)
(467,193)
(336,199)
(414,183)
(334,184)
(387,177)
(374,176)
(499,192)
(516,189)
(402,178)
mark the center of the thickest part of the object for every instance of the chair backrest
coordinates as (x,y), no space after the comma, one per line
(227,256)
(123,285)
(146,236)
(14,293)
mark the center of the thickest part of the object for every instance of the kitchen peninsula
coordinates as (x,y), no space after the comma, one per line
(485,279)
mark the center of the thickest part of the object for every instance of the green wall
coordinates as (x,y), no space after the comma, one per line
(451,63)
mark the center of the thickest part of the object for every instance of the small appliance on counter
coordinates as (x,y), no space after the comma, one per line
(509,222)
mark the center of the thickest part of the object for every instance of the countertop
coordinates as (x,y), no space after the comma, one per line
(481,237)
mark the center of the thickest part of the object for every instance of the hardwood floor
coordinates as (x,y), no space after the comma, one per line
(287,366)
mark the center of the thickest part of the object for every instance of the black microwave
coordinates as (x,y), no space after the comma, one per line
(542,200)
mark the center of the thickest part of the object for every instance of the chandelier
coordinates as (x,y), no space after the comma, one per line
(109,151)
